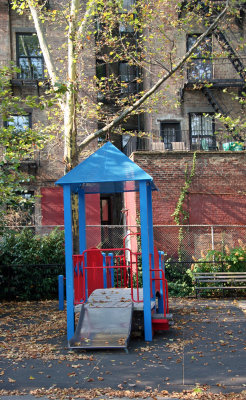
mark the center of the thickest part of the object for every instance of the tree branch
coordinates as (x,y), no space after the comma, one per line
(116,121)
(86,18)
(43,44)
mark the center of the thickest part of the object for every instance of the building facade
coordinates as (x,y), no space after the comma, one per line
(183,118)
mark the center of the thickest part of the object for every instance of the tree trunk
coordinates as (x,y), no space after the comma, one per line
(70,127)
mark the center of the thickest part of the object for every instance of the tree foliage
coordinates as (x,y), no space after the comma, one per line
(17,144)
(143,36)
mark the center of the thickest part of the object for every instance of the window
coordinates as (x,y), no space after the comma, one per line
(128,7)
(170,132)
(201,65)
(20,122)
(128,74)
(101,71)
(125,27)
(202,131)
(29,56)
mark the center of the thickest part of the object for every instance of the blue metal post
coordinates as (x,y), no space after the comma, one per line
(145,260)
(163,264)
(112,269)
(61,292)
(104,271)
(69,259)
(82,221)
(151,237)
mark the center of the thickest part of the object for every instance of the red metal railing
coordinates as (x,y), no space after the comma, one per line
(164,293)
(107,268)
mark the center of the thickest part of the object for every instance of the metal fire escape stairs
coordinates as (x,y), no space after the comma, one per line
(213,101)
(232,56)
(234,59)
(237,64)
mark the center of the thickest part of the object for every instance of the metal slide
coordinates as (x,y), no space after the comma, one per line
(104,321)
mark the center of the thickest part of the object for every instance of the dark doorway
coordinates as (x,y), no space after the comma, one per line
(111,221)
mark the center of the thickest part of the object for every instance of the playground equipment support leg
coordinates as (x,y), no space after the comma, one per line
(151,238)
(61,292)
(145,259)
(82,221)
(69,259)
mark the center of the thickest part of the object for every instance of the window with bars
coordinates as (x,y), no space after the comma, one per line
(200,65)
(202,131)
(170,132)
(128,75)
(29,57)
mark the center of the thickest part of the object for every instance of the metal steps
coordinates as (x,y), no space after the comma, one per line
(233,57)
(161,322)
(214,102)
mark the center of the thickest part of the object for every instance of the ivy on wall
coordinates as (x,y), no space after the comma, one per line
(180,214)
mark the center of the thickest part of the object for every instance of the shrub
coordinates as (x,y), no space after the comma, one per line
(179,283)
(27,248)
(231,260)
(30,264)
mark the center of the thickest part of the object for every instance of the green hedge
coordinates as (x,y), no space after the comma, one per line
(179,282)
(30,265)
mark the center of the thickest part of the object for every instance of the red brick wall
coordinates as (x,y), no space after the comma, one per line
(217,194)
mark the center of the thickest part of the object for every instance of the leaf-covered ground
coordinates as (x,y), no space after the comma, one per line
(201,357)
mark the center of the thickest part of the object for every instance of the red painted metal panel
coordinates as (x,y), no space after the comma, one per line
(52,206)
(94,260)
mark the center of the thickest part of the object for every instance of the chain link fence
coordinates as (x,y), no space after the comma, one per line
(187,241)
(181,244)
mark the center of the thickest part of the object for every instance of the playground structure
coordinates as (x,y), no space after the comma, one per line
(109,268)
(118,269)
(105,282)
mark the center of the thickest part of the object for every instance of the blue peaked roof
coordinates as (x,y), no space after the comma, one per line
(107,170)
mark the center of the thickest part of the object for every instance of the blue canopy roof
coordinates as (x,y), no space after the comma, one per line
(107,170)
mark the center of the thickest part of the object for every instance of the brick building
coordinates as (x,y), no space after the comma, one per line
(211,83)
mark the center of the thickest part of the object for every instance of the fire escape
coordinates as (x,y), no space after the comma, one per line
(211,84)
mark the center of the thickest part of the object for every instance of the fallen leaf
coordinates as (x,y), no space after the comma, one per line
(71,374)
